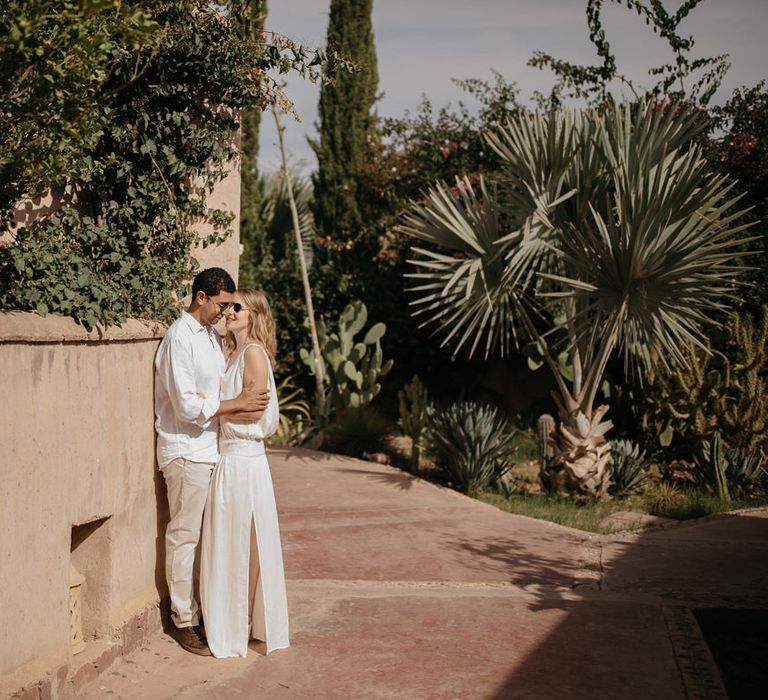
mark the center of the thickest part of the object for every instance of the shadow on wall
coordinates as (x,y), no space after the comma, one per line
(163,516)
(28,211)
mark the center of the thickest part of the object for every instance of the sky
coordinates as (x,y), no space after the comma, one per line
(422,44)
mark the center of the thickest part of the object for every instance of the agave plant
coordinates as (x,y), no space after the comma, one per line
(471,443)
(629,468)
(607,230)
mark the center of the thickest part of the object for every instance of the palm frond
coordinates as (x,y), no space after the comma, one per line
(460,294)
(659,254)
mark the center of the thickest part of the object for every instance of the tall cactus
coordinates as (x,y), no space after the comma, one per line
(352,368)
(413,415)
(545,426)
(720,466)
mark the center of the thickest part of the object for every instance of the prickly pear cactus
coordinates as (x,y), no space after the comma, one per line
(353,367)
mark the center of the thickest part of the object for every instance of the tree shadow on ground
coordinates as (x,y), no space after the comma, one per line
(630,633)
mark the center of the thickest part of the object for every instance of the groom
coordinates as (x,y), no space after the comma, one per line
(188,368)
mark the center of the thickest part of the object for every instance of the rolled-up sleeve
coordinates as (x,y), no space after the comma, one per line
(178,365)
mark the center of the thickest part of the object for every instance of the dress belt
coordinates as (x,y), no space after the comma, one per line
(241,448)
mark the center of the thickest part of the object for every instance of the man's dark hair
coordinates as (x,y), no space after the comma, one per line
(212,281)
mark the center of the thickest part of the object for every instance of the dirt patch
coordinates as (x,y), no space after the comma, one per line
(524,476)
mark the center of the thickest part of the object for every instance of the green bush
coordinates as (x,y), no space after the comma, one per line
(57,56)
(355,431)
(472,444)
(667,501)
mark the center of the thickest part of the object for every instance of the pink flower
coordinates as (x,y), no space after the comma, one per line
(739,147)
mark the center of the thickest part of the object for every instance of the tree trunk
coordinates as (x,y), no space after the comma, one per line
(581,454)
(319,373)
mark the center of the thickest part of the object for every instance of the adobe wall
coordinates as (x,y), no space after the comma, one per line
(226,195)
(77,448)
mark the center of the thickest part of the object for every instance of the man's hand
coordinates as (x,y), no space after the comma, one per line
(255,399)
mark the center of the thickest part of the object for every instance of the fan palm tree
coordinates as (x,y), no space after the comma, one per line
(276,216)
(605,234)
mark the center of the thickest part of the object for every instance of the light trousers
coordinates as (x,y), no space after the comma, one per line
(187,485)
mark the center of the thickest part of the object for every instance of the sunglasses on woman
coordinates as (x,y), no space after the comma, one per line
(237,307)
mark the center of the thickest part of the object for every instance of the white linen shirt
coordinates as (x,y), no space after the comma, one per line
(189,360)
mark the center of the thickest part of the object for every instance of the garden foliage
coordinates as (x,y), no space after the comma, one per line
(413,404)
(167,117)
(618,239)
(252,16)
(57,61)
(295,414)
(352,366)
(354,431)
(742,153)
(629,468)
(717,390)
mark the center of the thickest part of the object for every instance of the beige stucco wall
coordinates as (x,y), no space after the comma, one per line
(77,446)
(224,196)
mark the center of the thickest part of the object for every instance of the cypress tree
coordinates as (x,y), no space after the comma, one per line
(346,121)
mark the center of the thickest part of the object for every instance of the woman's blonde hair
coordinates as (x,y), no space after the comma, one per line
(261,325)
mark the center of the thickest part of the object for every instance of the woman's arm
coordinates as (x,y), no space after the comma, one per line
(255,375)
(259,400)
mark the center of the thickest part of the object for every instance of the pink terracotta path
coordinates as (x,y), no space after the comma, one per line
(401,589)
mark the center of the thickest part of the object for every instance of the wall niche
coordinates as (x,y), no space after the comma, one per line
(90,566)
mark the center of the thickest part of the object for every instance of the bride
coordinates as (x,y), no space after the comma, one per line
(242,584)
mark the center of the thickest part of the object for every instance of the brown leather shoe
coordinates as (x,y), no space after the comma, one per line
(189,640)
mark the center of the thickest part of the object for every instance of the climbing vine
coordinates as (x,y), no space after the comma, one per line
(120,245)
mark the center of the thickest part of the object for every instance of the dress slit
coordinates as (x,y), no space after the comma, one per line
(256,602)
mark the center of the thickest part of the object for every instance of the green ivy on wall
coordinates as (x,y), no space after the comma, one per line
(169,111)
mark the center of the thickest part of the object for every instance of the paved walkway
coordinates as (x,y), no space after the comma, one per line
(400,589)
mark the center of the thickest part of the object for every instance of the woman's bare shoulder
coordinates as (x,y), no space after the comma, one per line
(255,358)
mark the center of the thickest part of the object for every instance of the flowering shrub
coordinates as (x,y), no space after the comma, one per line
(430,145)
(738,147)
(744,148)
(743,154)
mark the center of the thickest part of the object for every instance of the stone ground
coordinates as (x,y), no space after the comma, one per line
(401,589)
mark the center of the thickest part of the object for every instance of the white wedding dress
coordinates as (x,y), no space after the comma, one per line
(241,493)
